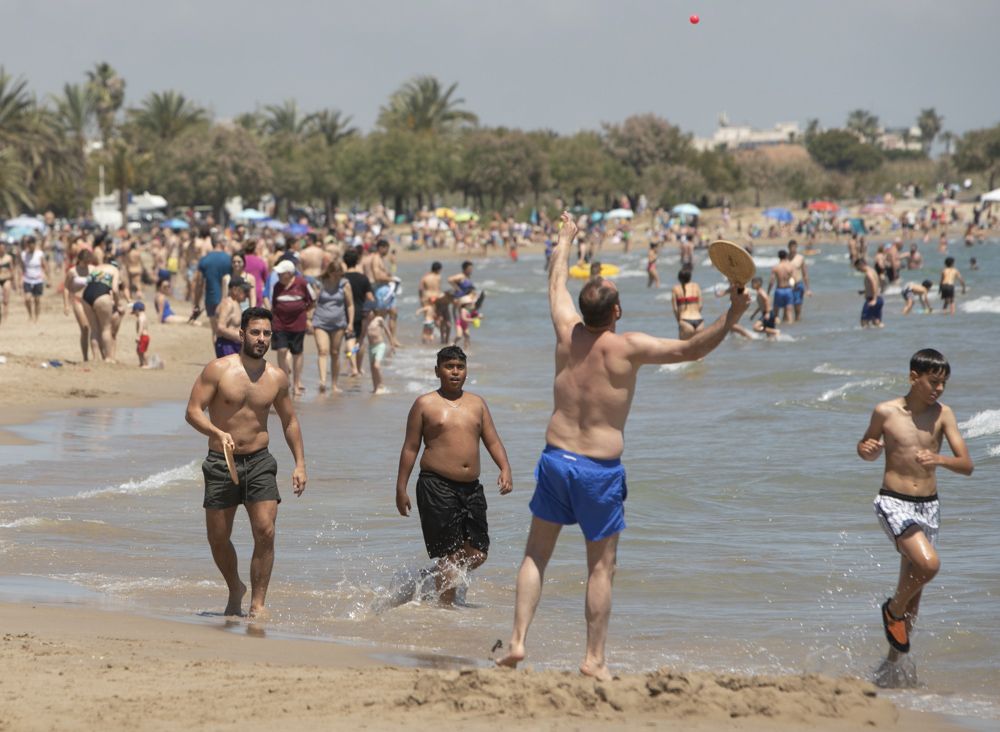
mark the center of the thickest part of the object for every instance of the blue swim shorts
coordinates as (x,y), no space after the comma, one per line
(782,297)
(573,488)
(871,313)
(798,293)
(385,297)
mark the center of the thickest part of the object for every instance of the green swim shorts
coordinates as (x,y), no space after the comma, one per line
(257,472)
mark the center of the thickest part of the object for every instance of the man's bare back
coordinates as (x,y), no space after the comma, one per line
(311,261)
(783,272)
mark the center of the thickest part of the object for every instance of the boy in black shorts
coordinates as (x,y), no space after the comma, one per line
(451,422)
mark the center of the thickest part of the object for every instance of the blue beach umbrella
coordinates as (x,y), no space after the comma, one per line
(296,229)
(779,214)
(250,214)
(175,224)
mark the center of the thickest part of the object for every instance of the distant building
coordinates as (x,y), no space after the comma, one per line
(900,138)
(743,137)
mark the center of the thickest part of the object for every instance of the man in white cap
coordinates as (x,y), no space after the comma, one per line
(292,303)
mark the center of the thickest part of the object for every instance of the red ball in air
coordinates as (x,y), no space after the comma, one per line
(694,20)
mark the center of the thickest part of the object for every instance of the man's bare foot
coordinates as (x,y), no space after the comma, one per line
(258,615)
(380,390)
(600,673)
(322,388)
(300,390)
(235,604)
(336,389)
(513,657)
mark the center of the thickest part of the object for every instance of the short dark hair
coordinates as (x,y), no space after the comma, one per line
(451,353)
(792,243)
(382,242)
(255,314)
(929,361)
(351,257)
(435,266)
(859,261)
(927,283)
(597,302)
(782,254)
(949,261)
(466,264)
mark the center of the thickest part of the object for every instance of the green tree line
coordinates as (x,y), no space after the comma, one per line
(426,148)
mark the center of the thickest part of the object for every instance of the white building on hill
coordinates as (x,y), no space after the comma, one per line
(737,137)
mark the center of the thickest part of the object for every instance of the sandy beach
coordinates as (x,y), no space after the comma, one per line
(75,668)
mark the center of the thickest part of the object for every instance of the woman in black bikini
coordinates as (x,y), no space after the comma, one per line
(686,301)
(100,300)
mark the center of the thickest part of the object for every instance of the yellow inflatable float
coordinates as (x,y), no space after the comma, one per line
(582,271)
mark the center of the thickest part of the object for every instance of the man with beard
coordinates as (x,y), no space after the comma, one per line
(238,391)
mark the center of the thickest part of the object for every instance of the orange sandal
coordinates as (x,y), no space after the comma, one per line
(895,629)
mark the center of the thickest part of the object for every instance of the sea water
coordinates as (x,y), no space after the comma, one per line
(751,545)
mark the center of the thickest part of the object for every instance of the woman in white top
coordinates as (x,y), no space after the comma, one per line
(34,275)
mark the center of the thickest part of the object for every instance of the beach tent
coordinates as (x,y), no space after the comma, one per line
(685,209)
(779,214)
(619,213)
(992,196)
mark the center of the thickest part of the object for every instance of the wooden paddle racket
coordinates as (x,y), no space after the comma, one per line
(230,463)
(733,261)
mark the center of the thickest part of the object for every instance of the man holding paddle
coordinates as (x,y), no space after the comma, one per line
(580,478)
(238,391)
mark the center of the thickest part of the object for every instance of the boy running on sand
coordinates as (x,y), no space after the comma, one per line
(450,499)
(910,430)
(141,333)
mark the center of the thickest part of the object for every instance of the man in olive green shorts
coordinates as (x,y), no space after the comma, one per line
(238,391)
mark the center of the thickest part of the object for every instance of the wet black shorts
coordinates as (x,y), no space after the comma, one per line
(293,340)
(257,472)
(451,514)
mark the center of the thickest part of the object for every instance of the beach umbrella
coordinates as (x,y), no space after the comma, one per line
(250,214)
(993,196)
(619,213)
(25,222)
(444,213)
(823,206)
(779,214)
(596,216)
(686,209)
(271,224)
(175,224)
(19,232)
(296,229)
(463,214)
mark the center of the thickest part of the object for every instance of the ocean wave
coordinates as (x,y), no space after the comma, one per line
(156,481)
(994,451)
(669,367)
(985,304)
(843,391)
(826,368)
(981,423)
(21,522)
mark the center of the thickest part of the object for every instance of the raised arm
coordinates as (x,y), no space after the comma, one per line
(491,439)
(293,433)
(648,349)
(561,307)
(408,456)
(870,445)
(961,462)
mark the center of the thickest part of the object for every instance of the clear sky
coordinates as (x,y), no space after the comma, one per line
(565,65)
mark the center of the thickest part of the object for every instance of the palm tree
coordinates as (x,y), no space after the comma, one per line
(930,123)
(165,115)
(331,124)
(284,119)
(16,105)
(947,138)
(420,105)
(108,89)
(75,111)
(14,191)
(864,124)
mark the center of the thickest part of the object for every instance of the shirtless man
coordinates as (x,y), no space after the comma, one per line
(800,272)
(782,280)
(311,259)
(871,311)
(580,476)
(451,422)
(382,284)
(429,288)
(229,317)
(238,392)
(134,267)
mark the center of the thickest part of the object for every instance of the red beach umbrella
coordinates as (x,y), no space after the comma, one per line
(823,206)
